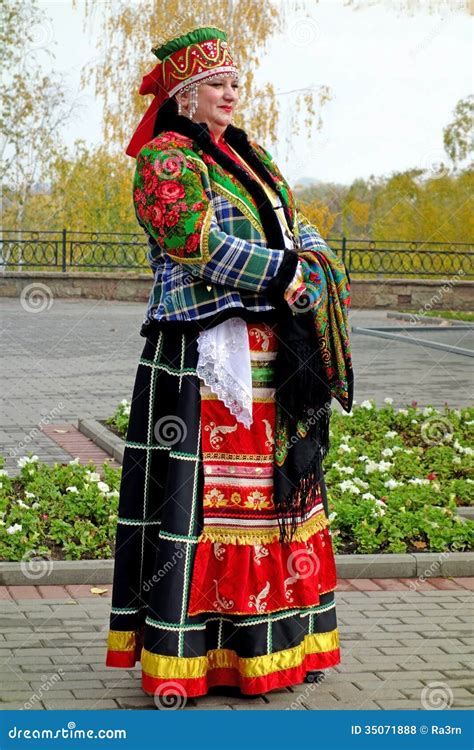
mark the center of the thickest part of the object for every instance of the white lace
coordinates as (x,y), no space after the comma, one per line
(224,366)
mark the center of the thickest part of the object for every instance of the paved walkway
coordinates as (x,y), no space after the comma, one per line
(79,359)
(401,649)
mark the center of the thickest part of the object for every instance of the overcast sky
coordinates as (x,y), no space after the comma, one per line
(394,78)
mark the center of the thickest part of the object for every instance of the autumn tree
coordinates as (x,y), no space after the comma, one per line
(130,30)
(35,106)
(457,136)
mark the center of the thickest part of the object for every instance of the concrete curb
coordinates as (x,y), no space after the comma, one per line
(39,572)
(429,318)
(103,437)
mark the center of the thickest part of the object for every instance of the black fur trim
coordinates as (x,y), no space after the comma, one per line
(237,138)
(276,287)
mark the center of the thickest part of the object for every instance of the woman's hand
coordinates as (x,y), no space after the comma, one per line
(296,287)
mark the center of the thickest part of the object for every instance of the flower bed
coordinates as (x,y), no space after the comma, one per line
(60,512)
(395,478)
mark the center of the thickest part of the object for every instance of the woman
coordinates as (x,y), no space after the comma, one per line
(224,570)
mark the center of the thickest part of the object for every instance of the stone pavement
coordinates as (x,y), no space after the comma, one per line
(401,649)
(79,359)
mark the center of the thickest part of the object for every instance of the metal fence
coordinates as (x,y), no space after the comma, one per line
(95,251)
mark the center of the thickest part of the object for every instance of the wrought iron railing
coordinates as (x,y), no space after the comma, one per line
(95,251)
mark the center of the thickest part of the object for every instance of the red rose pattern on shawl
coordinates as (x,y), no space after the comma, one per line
(169,197)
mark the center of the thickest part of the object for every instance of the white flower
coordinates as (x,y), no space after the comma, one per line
(73,489)
(24,460)
(348,486)
(372,466)
(74,462)
(368,496)
(126,410)
(427,411)
(346,413)
(396,448)
(470,481)
(345,438)
(387,452)
(2,523)
(388,400)
(343,448)
(3,473)
(113,493)
(403,411)
(392,483)
(380,510)
(332,516)
(448,437)
(363,458)
(35,505)
(457,413)
(360,482)
(457,460)
(93,476)
(391,434)
(417,480)
(22,504)
(366,405)
(468,451)
(30,494)
(103,486)
(414,421)
(124,402)
(346,469)
(13,529)
(471,421)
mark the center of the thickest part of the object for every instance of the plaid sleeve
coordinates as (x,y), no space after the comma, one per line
(309,234)
(172,205)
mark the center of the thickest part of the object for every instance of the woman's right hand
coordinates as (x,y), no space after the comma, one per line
(296,287)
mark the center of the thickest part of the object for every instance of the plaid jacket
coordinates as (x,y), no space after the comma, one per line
(207,247)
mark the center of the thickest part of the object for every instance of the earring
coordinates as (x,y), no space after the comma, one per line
(180,107)
(193,101)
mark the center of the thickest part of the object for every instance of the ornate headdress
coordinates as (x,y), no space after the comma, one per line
(184,62)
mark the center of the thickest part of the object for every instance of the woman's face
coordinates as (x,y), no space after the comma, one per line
(216,102)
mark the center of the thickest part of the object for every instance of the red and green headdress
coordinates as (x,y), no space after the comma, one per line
(183,61)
